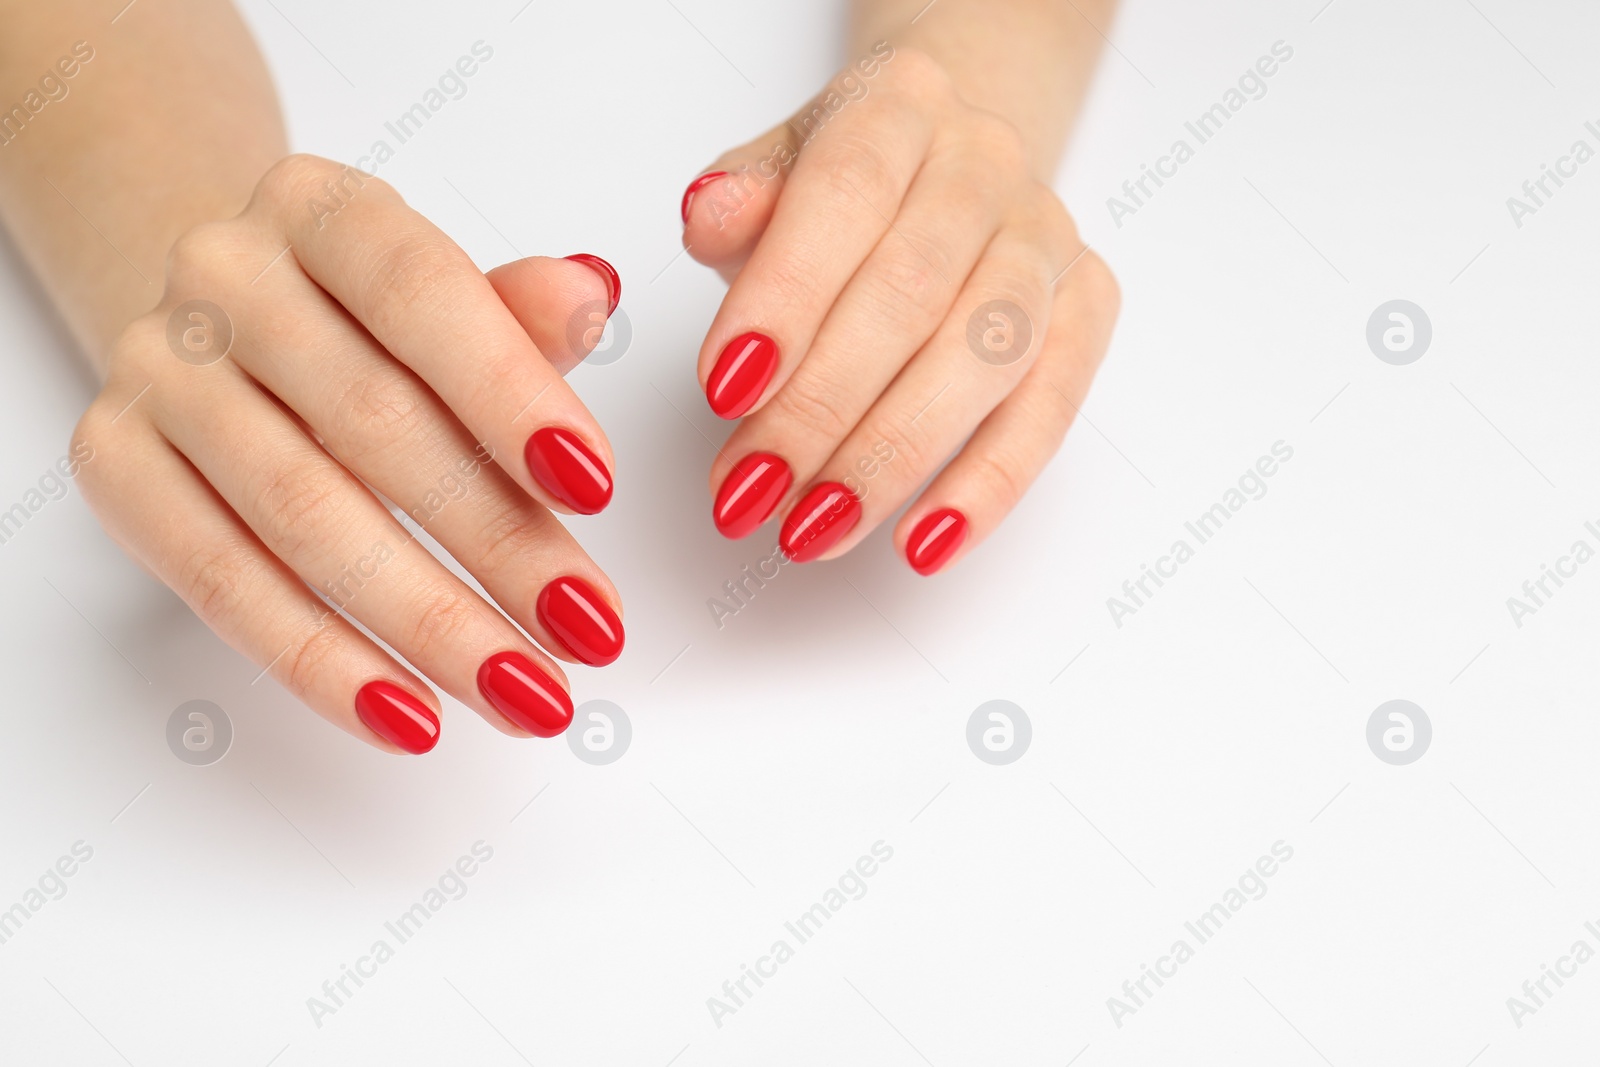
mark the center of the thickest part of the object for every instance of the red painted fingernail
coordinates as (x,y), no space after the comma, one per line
(695,186)
(744,368)
(398,717)
(563,464)
(935,539)
(608,274)
(819,521)
(574,613)
(525,694)
(749,493)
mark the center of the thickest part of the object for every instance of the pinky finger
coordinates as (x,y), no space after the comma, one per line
(174,523)
(980,487)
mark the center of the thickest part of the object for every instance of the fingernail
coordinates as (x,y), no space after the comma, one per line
(608,274)
(743,370)
(749,493)
(935,539)
(695,186)
(525,694)
(397,717)
(584,624)
(563,464)
(819,521)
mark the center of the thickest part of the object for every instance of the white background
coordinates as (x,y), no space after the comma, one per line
(1228,714)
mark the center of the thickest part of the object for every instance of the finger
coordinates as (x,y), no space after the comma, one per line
(425,301)
(166,517)
(727,206)
(330,530)
(936,401)
(978,488)
(836,205)
(390,430)
(889,309)
(563,308)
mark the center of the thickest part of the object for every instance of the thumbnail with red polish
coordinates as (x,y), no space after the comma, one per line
(398,717)
(695,186)
(608,274)
(749,493)
(743,370)
(523,693)
(818,522)
(563,464)
(584,624)
(935,539)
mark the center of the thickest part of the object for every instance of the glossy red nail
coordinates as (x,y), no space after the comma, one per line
(749,493)
(525,694)
(584,624)
(563,464)
(819,521)
(398,717)
(695,186)
(935,539)
(608,274)
(744,368)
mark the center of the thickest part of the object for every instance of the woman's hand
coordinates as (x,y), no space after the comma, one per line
(326,346)
(902,291)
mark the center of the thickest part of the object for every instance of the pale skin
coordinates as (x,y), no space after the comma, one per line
(239,482)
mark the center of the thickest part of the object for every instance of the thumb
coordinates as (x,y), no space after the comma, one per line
(563,304)
(727,208)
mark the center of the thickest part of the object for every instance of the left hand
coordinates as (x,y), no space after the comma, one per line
(901,284)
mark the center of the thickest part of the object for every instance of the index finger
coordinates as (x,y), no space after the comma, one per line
(425,301)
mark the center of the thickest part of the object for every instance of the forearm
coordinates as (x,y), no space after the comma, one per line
(168,124)
(1027,60)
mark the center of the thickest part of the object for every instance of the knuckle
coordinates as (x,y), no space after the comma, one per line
(215,580)
(303,504)
(813,406)
(858,165)
(908,287)
(310,659)
(511,536)
(383,410)
(294,177)
(999,143)
(199,253)
(407,279)
(919,73)
(439,623)
(999,474)
(1101,282)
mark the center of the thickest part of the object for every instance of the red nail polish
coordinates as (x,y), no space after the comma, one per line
(398,717)
(819,521)
(935,539)
(749,493)
(608,274)
(525,694)
(695,186)
(744,368)
(563,464)
(584,624)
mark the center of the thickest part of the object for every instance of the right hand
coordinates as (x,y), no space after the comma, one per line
(366,350)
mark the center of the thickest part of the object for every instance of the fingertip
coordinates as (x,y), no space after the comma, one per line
(724,213)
